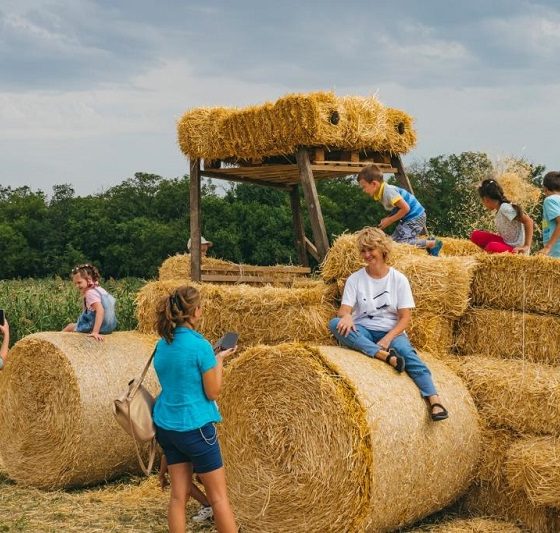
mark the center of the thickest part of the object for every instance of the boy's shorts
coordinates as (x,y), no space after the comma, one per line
(198,446)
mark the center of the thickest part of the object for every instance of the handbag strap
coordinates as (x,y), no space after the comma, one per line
(139,381)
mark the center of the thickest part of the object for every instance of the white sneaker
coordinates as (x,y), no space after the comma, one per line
(203,514)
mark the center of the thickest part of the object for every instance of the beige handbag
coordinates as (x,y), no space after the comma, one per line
(133,411)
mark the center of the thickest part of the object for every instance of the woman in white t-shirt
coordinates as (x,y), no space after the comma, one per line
(375,312)
(515,228)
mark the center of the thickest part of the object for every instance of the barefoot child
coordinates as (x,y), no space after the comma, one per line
(515,228)
(98,315)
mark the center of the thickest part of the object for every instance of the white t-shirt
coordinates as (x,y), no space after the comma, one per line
(512,231)
(374,301)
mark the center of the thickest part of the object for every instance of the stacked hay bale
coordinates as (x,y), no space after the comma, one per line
(57,426)
(279,128)
(441,287)
(510,341)
(321,439)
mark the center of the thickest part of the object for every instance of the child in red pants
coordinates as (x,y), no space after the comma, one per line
(515,228)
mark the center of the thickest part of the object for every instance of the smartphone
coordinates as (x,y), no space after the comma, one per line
(229,340)
(1,317)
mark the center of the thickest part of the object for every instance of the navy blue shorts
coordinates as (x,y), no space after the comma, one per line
(198,446)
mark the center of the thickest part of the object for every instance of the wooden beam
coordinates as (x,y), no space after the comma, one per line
(402,178)
(243,179)
(195,219)
(284,270)
(313,205)
(312,250)
(299,231)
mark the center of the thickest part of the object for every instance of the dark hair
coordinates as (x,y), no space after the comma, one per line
(370,173)
(176,309)
(490,188)
(552,181)
(87,271)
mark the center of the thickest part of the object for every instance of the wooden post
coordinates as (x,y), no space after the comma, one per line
(400,174)
(299,232)
(195,219)
(312,200)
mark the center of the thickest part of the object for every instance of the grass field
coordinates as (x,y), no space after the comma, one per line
(33,305)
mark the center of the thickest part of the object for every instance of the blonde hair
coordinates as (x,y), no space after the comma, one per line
(375,239)
(176,309)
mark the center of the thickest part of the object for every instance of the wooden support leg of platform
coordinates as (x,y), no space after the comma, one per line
(195,219)
(401,176)
(299,231)
(312,200)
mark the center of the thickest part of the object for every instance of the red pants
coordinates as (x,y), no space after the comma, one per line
(490,242)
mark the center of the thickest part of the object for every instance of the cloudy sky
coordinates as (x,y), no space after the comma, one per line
(90,90)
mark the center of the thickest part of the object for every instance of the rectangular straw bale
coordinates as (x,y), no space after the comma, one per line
(453,246)
(300,119)
(524,283)
(515,394)
(509,334)
(533,466)
(431,333)
(266,314)
(495,444)
(499,501)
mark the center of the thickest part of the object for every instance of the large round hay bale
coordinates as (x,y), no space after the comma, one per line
(57,425)
(326,439)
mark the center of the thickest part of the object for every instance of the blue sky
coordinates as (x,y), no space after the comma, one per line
(90,90)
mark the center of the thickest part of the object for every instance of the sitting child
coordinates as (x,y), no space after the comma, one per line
(5,329)
(98,315)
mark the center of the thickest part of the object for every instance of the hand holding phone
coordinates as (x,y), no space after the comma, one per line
(228,341)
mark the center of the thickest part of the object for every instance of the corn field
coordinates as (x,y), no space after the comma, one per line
(33,305)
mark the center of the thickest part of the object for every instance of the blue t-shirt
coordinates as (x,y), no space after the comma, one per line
(389,195)
(551,211)
(182,404)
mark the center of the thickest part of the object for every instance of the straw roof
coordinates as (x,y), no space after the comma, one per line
(258,314)
(524,283)
(57,425)
(516,394)
(510,335)
(279,128)
(319,439)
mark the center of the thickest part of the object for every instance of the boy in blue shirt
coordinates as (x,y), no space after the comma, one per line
(403,208)
(551,215)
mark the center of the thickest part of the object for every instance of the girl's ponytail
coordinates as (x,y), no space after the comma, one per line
(176,309)
(490,188)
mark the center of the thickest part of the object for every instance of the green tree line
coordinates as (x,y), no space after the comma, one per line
(131,228)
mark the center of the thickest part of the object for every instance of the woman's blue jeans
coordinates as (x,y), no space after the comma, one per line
(364,340)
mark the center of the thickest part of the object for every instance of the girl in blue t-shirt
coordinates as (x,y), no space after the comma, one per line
(185,412)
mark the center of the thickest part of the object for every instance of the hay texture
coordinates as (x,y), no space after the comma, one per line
(258,314)
(326,439)
(431,333)
(458,247)
(279,128)
(533,466)
(523,283)
(509,335)
(57,424)
(470,525)
(179,266)
(519,395)
(441,285)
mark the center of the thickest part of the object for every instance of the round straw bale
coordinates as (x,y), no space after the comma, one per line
(400,136)
(516,394)
(470,525)
(509,334)
(513,281)
(58,428)
(257,314)
(452,246)
(327,439)
(533,466)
